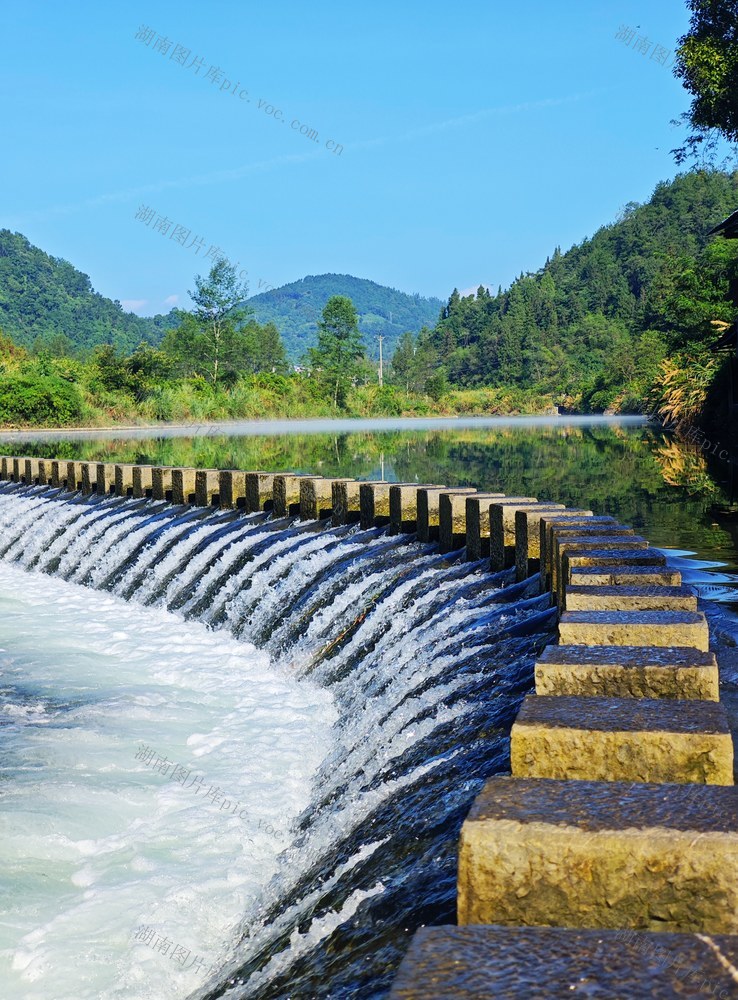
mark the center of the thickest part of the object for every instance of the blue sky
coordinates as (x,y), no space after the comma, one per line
(475,138)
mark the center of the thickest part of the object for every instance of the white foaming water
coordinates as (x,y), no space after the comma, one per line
(97,843)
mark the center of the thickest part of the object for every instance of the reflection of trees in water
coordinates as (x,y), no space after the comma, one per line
(685,466)
(638,474)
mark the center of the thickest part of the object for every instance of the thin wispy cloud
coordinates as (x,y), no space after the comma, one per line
(474,118)
(131,305)
(131,194)
(260,166)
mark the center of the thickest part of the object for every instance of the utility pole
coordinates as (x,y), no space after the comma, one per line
(381,371)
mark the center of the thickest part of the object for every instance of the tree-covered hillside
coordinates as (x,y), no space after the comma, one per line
(296,309)
(597,321)
(44,298)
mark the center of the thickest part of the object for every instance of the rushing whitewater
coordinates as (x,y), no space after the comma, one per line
(238,750)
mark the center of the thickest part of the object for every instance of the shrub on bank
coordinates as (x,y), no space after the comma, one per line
(41,399)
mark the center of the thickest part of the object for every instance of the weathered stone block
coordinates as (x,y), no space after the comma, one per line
(73,476)
(478,522)
(537,851)
(451,520)
(143,480)
(104,478)
(550,523)
(19,469)
(207,487)
(259,491)
(161,482)
(503,530)
(316,498)
(43,472)
(403,506)
(635,628)
(286,495)
(528,534)
(429,509)
(625,574)
(346,501)
(629,555)
(619,538)
(374,504)
(89,477)
(31,471)
(622,739)
(552,963)
(184,483)
(627,672)
(630,599)
(56,475)
(123,476)
(232,488)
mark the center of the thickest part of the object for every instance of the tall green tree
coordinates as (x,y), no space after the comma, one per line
(337,360)
(211,338)
(265,349)
(707,64)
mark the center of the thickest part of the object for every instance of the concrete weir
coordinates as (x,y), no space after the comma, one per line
(616,834)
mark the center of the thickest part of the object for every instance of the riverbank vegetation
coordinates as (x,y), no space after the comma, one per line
(623,322)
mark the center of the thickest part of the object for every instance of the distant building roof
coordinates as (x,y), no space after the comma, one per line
(728,227)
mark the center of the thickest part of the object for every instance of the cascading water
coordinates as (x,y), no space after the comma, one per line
(379,696)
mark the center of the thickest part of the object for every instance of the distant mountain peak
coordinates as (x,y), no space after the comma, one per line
(297,306)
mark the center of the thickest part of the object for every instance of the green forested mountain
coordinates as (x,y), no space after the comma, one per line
(597,321)
(296,309)
(43,299)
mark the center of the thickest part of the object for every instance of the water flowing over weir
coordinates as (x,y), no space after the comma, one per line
(425,655)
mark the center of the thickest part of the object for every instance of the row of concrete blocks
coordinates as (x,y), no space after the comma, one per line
(607,862)
(505,529)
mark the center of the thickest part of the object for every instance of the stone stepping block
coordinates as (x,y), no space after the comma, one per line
(502,528)
(555,963)
(316,498)
(403,506)
(537,851)
(528,534)
(627,672)
(429,501)
(577,549)
(573,560)
(627,598)
(481,531)
(560,522)
(622,739)
(585,536)
(452,508)
(635,628)
(625,574)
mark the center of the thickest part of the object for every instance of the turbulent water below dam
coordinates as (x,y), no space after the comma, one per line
(238,751)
